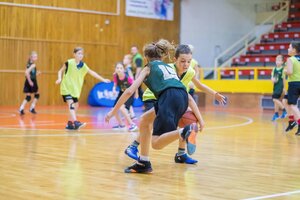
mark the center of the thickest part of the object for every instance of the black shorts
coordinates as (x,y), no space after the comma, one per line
(276,96)
(128,103)
(69,97)
(29,89)
(285,96)
(170,107)
(293,92)
(148,104)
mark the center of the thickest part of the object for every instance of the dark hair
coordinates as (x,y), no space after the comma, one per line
(296,45)
(76,49)
(182,49)
(158,50)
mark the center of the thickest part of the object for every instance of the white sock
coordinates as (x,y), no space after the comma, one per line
(32,106)
(144,158)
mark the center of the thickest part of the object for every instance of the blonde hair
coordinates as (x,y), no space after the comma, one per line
(158,50)
(129,56)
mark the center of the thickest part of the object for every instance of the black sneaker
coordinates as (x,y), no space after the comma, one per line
(22,112)
(70,126)
(78,125)
(298,131)
(139,166)
(291,125)
(33,111)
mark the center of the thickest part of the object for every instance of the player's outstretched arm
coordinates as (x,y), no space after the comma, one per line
(97,76)
(220,98)
(128,93)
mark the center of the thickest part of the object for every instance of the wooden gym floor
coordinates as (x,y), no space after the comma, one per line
(241,153)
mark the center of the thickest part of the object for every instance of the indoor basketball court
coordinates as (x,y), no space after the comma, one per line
(244,150)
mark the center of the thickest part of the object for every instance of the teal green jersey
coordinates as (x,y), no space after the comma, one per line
(162,77)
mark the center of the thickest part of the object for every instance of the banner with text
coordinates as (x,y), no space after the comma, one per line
(155,9)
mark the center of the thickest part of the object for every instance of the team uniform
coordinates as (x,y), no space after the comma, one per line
(149,98)
(123,85)
(278,86)
(73,78)
(294,81)
(27,87)
(137,62)
(166,87)
(71,85)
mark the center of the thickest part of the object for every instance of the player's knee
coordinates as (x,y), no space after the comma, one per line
(156,145)
(37,96)
(72,106)
(28,98)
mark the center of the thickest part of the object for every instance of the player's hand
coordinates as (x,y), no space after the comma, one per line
(31,83)
(108,116)
(58,81)
(106,80)
(220,98)
(136,95)
(201,125)
(38,72)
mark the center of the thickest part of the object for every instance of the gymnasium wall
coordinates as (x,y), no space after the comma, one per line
(212,26)
(53,34)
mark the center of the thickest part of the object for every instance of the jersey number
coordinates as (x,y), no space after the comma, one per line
(168,72)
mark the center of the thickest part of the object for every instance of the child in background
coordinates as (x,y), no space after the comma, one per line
(74,71)
(127,61)
(278,79)
(30,85)
(124,81)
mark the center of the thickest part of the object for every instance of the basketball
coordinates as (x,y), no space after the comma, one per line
(187,118)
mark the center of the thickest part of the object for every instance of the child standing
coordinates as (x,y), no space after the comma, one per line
(127,61)
(30,85)
(123,81)
(278,78)
(74,71)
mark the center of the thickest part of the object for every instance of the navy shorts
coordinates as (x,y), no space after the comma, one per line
(148,104)
(276,96)
(170,107)
(128,103)
(29,89)
(293,92)
(69,97)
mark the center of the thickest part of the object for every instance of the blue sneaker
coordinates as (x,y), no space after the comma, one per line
(132,152)
(283,115)
(189,134)
(275,116)
(118,126)
(185,159)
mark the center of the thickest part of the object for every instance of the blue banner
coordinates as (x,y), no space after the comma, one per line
(102,95)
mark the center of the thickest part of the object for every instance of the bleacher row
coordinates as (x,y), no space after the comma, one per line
(271,44)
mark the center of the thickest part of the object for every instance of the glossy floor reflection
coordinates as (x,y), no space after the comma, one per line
(241,154)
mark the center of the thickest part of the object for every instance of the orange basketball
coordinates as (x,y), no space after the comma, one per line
(187,118)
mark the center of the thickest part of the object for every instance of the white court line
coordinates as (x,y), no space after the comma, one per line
(274,195)
(249,121)
(71,133)
(117,132)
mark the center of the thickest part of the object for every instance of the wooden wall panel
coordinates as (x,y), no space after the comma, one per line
(54,34)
